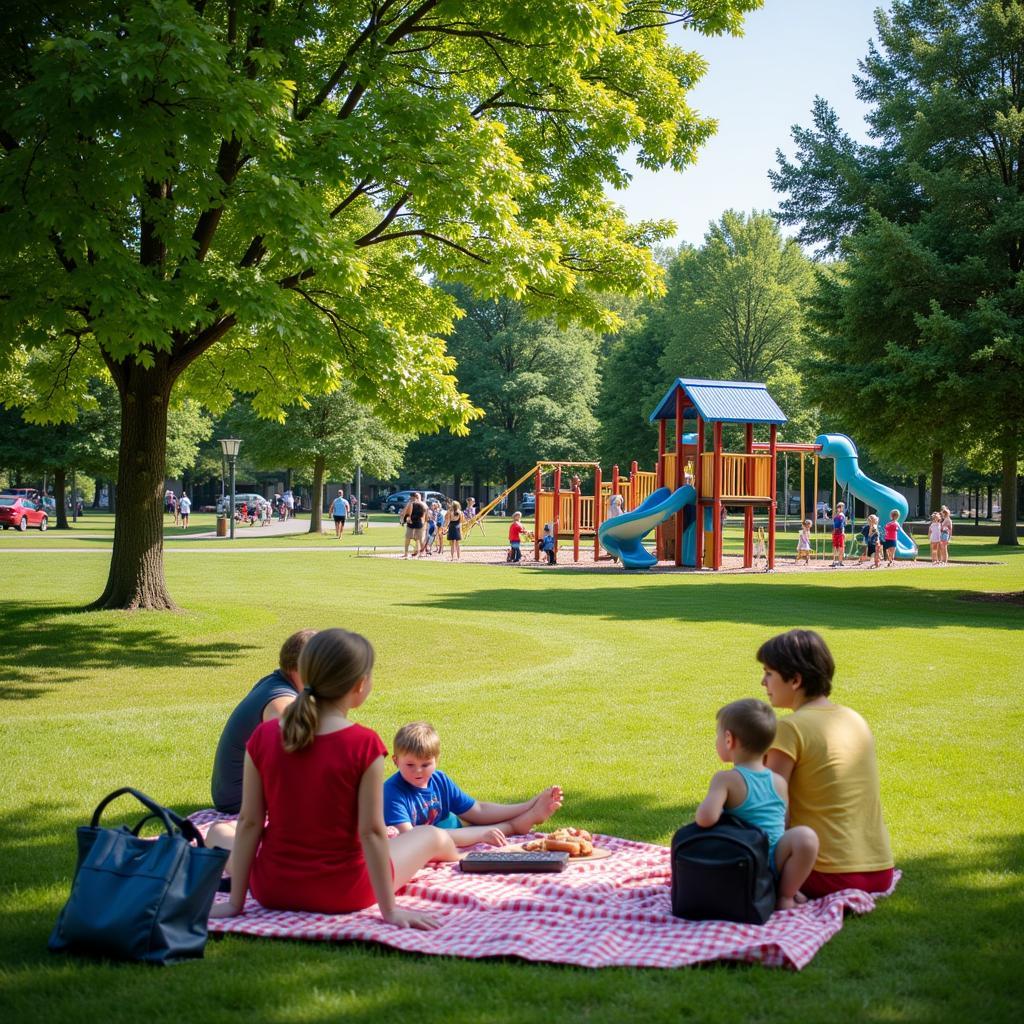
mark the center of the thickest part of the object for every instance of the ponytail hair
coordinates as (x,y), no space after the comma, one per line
(330,665)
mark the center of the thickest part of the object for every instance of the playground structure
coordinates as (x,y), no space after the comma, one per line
(685,497)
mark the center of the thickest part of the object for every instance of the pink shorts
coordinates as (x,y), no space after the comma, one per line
(820,883)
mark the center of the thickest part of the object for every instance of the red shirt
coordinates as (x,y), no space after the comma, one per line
(310,856)
(515,530)
(892,528)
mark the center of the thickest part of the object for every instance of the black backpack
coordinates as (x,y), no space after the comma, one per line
(722,873)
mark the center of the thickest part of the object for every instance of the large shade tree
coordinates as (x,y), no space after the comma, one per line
(922,330)
(232,195)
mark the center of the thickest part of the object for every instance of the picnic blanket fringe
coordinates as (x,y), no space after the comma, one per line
(609,913)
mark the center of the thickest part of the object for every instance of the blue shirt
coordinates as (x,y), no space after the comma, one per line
(226,783)
(547,542)
(339,507)
(839,522)
(409,805)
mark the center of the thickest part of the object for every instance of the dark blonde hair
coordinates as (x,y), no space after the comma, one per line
(331,664)
(419,739)
(288,658)
(751,721)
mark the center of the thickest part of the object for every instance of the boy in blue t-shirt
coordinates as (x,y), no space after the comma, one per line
(419,794)
(547,544)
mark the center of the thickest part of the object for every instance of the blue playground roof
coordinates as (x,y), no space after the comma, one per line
(721,401)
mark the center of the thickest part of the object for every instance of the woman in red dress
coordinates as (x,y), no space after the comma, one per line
(316,780)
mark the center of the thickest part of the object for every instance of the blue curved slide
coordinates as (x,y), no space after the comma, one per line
(622,536)
(882,499)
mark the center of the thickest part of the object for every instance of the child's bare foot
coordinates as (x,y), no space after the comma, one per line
(799,899)
(544,805)
(785,903)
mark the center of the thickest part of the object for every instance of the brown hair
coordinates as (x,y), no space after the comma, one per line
(751,721)
(288,659)
(800,652)
(331,664)
(419,739)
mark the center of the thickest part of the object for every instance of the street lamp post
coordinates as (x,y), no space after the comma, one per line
(229,446)
(358,497)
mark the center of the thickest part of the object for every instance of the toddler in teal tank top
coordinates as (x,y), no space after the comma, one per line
(746,729)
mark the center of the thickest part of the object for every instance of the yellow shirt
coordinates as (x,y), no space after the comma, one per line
(834,787)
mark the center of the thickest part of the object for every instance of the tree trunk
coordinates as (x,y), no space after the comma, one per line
(59,488)
(922,496)
(1008,493)
(317,495)
(96,496)
(478,488)
(136,577)
(936,480)
(457,488)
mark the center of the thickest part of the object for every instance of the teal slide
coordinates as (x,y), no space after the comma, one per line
(881,498)
(622,536)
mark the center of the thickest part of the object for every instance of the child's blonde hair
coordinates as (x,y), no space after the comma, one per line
(331,664)
(419,739)
(456,507)
(894,514)
(873,518)
(517,515)
(807,523)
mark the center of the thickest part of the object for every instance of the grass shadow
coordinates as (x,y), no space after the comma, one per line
(66,639)
(778,603)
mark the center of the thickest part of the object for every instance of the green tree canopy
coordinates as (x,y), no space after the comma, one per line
(250,197)
(327,434)
(536,383)
(921,333)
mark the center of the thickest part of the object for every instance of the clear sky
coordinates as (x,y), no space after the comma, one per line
(757,87)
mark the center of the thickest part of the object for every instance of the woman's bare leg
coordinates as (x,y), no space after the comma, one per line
(410,851)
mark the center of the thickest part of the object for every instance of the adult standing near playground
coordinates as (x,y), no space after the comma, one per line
(827,755)
(340,510)
(455,520)
(414,518)
(288,500)
(616,507)
(185,508)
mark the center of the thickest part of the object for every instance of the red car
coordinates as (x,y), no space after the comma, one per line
(21,512)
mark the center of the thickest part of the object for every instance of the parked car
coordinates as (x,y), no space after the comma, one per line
(394,503)
(248,499)
(20,512)
(21,492)
(528,503)
(793,508)
(824,512)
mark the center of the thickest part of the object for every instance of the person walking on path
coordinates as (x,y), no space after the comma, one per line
(339,509)
(185,508)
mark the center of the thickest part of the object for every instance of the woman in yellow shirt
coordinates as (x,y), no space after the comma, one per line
(827,755)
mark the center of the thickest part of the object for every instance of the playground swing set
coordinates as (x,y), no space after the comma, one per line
(684,499)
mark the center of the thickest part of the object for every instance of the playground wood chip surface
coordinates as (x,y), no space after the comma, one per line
(608,913)
(731,564)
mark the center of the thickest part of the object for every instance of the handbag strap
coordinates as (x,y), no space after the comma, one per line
(171,821)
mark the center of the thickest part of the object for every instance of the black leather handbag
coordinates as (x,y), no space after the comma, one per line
(139,899)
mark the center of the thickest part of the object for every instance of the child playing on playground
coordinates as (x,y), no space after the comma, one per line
(319,778)
(892,531)
(420,794)
(547,544)
(838,535)
(752,793)
(872,542)
(803,544)
(935,537)
(516,531)
(946,522)
(760,549)
(826,754)
(439,522)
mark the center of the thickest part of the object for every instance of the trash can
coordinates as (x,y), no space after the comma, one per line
(222,526)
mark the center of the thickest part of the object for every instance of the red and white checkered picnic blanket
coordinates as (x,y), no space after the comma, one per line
(608,913)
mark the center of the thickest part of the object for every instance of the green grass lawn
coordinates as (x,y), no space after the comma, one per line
(605,683)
